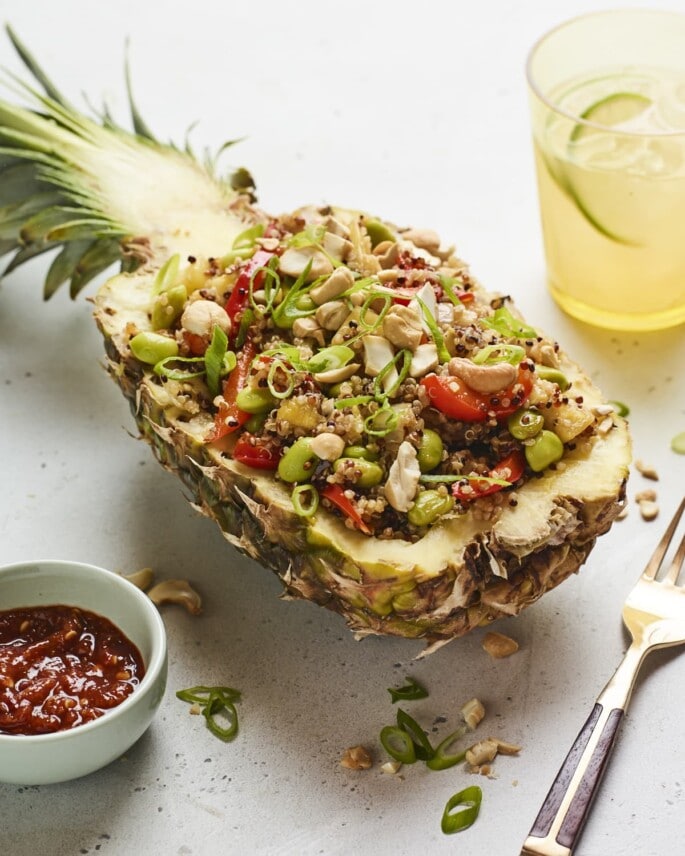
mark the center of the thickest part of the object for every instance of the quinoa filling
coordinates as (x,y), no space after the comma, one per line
(363,366)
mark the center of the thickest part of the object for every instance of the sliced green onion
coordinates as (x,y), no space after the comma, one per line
(443,354)
(248,238)
(382,422)
(622,409)
(342,403)
(411,691)
(311,235)
(218,705)
(167,275)
(279,366)
(326,359)
(287,312)
(311,504)
(287,352)
(366,305)
(442,759)
(214,359)
(378,390)
(456,822)
(246,320)
(678,443)
(201,694)
(218,710)
(504,323)
(449,479)
(161,368)
(447,283)
(270,286)
(501,353)
(398,744)
(422,746)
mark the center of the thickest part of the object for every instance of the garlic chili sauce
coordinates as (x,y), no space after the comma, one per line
(61,666)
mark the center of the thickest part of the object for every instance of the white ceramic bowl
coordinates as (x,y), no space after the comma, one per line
(47,758)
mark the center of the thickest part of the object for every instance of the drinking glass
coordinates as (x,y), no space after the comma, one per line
(607,95)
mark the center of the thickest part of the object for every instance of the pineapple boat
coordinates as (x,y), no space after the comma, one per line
(339,394)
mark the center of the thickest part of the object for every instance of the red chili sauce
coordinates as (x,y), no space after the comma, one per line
(60,667)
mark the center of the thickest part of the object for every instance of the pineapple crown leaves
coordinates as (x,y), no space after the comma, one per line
(66,183)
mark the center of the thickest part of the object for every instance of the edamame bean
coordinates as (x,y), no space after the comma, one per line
(360,452)
(378,232)
(545,450)
(429,506)
(297,464)
(152,347)
(257,400)
(430,450)
(168,306)
(255,423)
(364,473)
(525,423)
(553,375)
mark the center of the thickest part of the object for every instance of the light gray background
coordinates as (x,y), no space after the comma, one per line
(416,111)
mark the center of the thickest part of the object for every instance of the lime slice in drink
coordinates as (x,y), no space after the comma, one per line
(610,112)
(599,163)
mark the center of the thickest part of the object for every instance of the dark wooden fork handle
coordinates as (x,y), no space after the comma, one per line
(565,809)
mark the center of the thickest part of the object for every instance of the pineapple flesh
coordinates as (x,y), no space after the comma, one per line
(385,317)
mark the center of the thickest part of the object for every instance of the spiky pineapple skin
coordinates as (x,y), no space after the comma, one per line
(316,572)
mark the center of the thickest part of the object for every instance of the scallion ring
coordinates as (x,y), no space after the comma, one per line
(471,798)
(285,370)
(202,694)
(382,422)
(501,353)
(161,368)
(379,393)
(310,506)
(270,285)
(398,744)
(422,745)
(443,759)
(215,712)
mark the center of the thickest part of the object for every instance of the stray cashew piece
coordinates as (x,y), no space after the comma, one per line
(294,262)
(498,645)
(492,378)
(356,758)
(482,752)
(327,446)
(402,327)
(473,713)
(176,591)
(141,579)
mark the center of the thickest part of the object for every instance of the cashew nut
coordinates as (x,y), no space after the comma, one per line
(402,326)
(473,712)
(201,317)
(424,360)
(338,282)
(403,478)
(176,591)
(486,378)
(308,328)
(425,239)
(327,446)
(331,315)
(141,579)
(294,261)
(337,375)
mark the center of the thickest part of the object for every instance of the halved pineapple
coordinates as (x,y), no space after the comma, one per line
(500,538)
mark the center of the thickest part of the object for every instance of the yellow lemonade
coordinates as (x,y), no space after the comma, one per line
(610,158)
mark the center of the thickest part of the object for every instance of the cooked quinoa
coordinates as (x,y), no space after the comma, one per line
(362,365)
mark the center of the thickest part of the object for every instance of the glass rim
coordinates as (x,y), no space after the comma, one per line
(568,114)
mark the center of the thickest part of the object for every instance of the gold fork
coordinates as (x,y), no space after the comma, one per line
(654,613)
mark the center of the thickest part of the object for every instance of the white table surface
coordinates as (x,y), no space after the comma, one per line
(417,113)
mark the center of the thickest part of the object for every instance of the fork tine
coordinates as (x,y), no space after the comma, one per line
(676,564)
(654,563)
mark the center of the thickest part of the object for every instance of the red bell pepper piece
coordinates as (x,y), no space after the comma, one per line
(455,399)
(254,454)
(335,494)
(509,469)
(230,417)
(240,295)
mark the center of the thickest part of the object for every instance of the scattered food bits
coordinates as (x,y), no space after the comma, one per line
(481,752)
(179,592)
(391,768)
(504,748)
(141,579)
(195,709)
(649,510)
(498,645)
(623,513)
(356,758)
(473,713)
(648,495)
(646,471)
